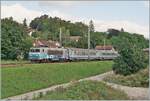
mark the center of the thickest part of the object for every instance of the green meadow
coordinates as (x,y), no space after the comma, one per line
(19,80)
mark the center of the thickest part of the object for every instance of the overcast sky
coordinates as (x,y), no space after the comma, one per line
(133,16)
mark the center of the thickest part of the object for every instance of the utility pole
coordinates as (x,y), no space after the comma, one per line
(104,44)
(88,43)
(60,37)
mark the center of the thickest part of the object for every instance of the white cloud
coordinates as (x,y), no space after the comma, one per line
(126,25)
(19,12)
(146,3)
(60,3)
(66,3)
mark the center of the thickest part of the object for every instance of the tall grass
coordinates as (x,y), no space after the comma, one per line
(85,90)
(139,79)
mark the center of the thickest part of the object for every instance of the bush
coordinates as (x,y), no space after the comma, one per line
(131,59)
(139,79)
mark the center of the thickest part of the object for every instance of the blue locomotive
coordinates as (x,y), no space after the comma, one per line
(45,54)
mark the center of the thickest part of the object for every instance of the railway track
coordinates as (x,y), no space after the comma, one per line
(14,64)
(28,63)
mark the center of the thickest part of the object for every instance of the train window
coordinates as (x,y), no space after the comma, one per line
(34,50)
(92,53)
(108,53)
(55,52)
(37,50)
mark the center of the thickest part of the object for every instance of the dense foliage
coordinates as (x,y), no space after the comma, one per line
(132,39)
(132,57)
(14,39)
(52,26)
(48,28)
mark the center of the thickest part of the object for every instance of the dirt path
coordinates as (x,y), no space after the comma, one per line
(136,93)
(132,92)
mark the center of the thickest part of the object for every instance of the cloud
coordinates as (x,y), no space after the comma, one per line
(64,3)
(18,12)
(126,25)
(68,4)
(146,3)
(56,3)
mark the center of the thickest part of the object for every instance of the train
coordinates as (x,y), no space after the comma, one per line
(46,54)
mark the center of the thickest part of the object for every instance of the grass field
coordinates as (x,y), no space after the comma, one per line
(140,79)
(23,79)
(85,90)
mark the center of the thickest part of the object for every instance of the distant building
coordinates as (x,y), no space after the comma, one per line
(107,47)
(146,50)
(30,31)
(74,38)
(44,43)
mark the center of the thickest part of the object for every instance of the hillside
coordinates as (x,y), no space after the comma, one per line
(16,41)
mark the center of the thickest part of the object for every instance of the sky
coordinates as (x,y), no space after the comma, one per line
(132,16)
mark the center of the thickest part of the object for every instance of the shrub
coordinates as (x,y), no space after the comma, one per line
(139,79)
(131,59)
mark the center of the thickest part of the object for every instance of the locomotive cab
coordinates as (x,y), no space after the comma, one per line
(37,54)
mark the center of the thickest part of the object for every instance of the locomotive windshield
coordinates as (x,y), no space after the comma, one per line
(34,50)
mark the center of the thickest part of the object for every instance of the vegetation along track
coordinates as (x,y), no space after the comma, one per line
(29,63)
(14,64)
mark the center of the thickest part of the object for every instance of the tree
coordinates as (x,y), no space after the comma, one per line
(52,25)
(113,32)
(25,22)
(82,43)
(136,39)
(91,26)
(122,30)
(12,39)
(131,58)
(27,44)
(97,38)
